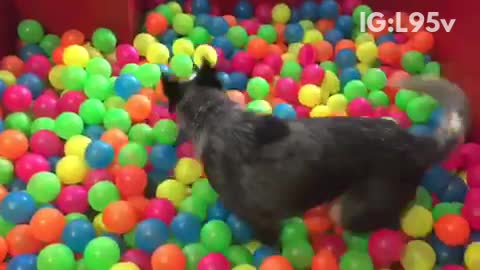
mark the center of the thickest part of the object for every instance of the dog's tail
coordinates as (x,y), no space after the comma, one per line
(454,122)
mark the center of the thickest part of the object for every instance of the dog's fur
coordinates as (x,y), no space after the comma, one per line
(266,169)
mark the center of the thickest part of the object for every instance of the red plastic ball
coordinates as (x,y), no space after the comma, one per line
(386,247)
(453,230)
(331,242)
(156,23)
(325,260)
(276,262)
(131,180)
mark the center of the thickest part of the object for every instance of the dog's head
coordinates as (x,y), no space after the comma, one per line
(205,79)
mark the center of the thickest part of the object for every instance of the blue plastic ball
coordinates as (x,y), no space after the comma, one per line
(421,130)
(346,58)
(17,207)
(436,118)
(169,37)
(295,16)
(241,231)
(77,234)
(94,132)
(17,185)
(33,83)
(308,10)
(349,74)
(285,111)
(294,33)
(345,25)
(46,205)
(328,9)
(243,9)
(385,38)
(223,43)
(127,85)
(163,157)
(334,36)
(262,253)
(99,154)
(165,69)
(218,26)
(53,160)
(203,20)
(3,86)
(150,234)
(238,80)
(186,228)
(29,50)
(217,211)
(436,180)
(23,262)
(475,236)
(455,192)
(224,79)
(447,254)
(200,7)
(2,126)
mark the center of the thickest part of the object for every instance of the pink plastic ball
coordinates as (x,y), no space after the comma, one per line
(455,161)
(471,212)
(161,209)
(186,149)
(360,107)
(224,65)
(401,118)
(46,143)
(453,267)
(158,113)
(95,176)
(263,12)
(251,26)
(302,111)
(71,101)
(188,6)
(287,89)
(307,55)
(39,65)
(116,68)
(380,112)
(274,61)
(386,247)
(264,71)
(17,98)
(30,164)
(332,242)
(73,199)
(243,62)
(470,153)
(312,74)
(138,257)
(214,261)
(473,196)
(50,92)
(473,176)
(126,53)
(46,106)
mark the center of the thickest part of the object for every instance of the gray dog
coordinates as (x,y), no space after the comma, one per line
(266,169)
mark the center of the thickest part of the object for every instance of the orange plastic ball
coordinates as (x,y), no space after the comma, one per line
(258,48)
(3,249)
(324,260)
(389,53)
(318,224)
(276,262)
(150,94)
(115,137)
(57,55)
(159,93)
(237,97)
(325,25)
(139,203)
(231,20)
(72,37)
(275,49)
(324,50)
(13,144)
(119,217)
(20,240)
(345,44)
(156,23)
(168,257)
(422,41)
(13,64)
(131,180)
(138,107)
(453,230)
(47,224)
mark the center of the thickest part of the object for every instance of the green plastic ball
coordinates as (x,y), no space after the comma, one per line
(294,230)
(148,75)
(68,124)
(101,194)
(238,255)
(268,33)
(99,66)
(299,253)
(413,62)
(98,87)
(357,13)
(73,78)
(375,79)
(203,190)
(114,102)
(423,198)
(356,260)
(418,110)
(378,98)
(19,121)
(261,107)
(183,23)
(165,131)
(446,208)
(129,239)
(433,69)
(198,36)
(258,88)
(403,97)
(49,43)
(216,236)
(133,154)
(6,171)
(42,123)
(194,253)
(357,241)
(129,68)
(181,65)
(238,36)
(5,227)
(291,69)
(44,187)
(195,206)
(355,89)
(101,253)
(56,257)
(166,11)
(141,133)
(104,40)
(329,65)
(30,31)
(92,111)
(75,216)
(117,118)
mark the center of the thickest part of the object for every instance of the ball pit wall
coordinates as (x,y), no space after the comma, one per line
(456,50)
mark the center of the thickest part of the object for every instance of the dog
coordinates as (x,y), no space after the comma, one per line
(267,169)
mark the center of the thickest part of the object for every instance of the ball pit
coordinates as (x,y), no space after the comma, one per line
(95,175)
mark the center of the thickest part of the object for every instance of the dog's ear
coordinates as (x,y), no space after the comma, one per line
(207,76)
(172,91)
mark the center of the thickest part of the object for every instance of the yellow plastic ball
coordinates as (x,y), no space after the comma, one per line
(175,7)
(312,36)
(253,245)
(364,37)
(281,13)
(463,175)
(125,266)
(472,256)
(111,57)
(310,95)
(244,267)
(362,68)
(188,170)
(330,82)
(337,103)
(367,52)
(419,255)
(7,77)
(98,224)
(76,146)
(307,25)
(183,46)
(92,52)
(288,57)
(55,77)
(157,53)
(417,222)
(142,41)
(320,111)
(71,170)
(205,52)
(172,190)
(76,55)
(294,48)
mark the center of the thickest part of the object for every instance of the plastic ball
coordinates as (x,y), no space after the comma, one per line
(386,247)
(309,95)
(23,261)
(73,78)
(6,171)
(359,107)
(243,62)
(205,52)
(76,55)
(264,71)
(104,40)
(126,53)
(194,253)
(101,253)
(471,258)
(125,266)
(374,79)
(453,230)
(241,231)
(30,31)
(17,207)
(183,23)
(186,228)
(281,13)
(446,255)
(101,194)
(138,257)
(157,53)
(260,107)
(71,169)
(418,255)
(127,85)
(38,65)
(168,256)
(214,261)
(411,224)
(117,118)
(47,224)
(17,98)
(285,111)
(216,235)
(258,88)
(413,62)
(165,131)
(172,190)
(294,33)
(312,74)
(243,9)
(77,234)
(131,180)
(142,41)
(119,217)
(367,52)
(150,234)
(99,154)
(99,66)
(30,164)
(181,65)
